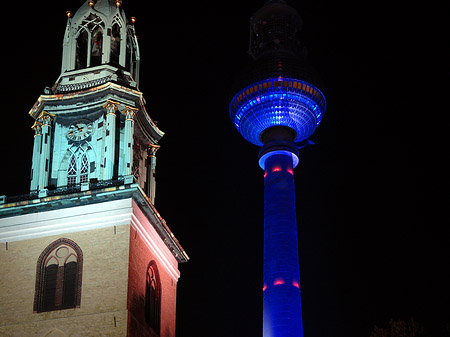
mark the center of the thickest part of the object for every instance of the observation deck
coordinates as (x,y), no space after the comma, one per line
(281,101)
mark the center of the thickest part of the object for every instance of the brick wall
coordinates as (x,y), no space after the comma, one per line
(115,261)
(140,257)
(103,294)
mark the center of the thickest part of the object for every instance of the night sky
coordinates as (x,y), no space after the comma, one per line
(372,194)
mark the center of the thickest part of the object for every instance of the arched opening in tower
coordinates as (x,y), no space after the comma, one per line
(115,45)
(82,47)
(96,47)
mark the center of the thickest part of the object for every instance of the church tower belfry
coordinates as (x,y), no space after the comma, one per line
(86,253)
(91,125)
(99,35)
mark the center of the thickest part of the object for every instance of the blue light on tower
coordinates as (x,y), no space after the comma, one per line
(277,101)
(278,108)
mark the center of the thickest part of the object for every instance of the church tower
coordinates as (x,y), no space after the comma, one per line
(86,252)
(91,127)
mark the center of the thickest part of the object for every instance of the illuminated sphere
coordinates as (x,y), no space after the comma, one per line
(283,101)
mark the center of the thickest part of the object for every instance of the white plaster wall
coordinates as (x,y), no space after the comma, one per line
(66,220)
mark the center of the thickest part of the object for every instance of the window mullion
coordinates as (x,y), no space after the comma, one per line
(59,286)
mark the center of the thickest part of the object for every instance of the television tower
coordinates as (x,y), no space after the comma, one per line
(278,108)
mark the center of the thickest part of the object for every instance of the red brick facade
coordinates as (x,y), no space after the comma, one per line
(139,258)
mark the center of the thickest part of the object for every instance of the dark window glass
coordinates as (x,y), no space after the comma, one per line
(69,285)
(96,47)
(82,47)
(50,280)
(153,297)
(58,277)
(115,45)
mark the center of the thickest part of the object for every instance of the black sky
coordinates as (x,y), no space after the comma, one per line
(371,194)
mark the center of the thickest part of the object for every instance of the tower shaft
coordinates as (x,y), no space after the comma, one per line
(281,302)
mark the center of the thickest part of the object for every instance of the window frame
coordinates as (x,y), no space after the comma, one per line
(78,168)
(153,319)
(39,294)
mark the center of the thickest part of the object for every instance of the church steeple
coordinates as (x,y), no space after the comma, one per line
(99,45)
(92,127)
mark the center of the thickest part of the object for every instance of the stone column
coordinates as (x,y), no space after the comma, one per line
(129,113)
(36,156)
(151,171)
(44,163)
(89,51)
(110,140)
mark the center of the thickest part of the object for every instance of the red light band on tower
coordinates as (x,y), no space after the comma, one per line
(278,282)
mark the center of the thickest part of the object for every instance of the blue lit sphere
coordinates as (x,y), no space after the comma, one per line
(277,101)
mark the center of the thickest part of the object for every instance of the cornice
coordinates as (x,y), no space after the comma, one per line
(94,98)
(27,219)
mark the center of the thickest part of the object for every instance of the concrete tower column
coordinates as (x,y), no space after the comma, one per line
(282,313)
(110,139)
(36,156)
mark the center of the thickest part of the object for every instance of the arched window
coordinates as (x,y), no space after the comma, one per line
(72,171)
(84,170)
(96,47)
(115,44)
(78,169)
(128,60)
(82,50)
(153,297)
(58,277)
